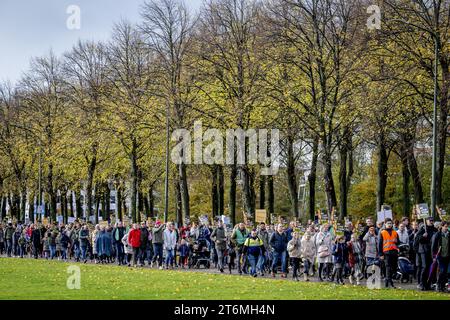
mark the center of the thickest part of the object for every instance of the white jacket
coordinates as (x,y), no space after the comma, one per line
(170,239)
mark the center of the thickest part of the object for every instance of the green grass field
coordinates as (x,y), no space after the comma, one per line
(39,279)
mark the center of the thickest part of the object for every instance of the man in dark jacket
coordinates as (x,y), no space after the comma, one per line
(220,240)
(36,240)
(440,247)
(278,241)
(117,234)
(84,241)
(422,242)
(144,242)
(9,233)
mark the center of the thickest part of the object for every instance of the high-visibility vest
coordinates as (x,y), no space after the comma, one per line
(389,240)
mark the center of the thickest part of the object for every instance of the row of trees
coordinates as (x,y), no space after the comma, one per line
(354,107)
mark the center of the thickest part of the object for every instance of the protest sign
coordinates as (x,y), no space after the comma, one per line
(260,215)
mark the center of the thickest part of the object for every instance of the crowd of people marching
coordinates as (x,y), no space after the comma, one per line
(398,250)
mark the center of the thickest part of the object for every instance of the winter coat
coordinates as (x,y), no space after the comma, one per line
(308,249)
(94,237)
(339,253)
(83,237)
(2,235)
(403,236)
(65,240)
(144,237)
(294,248)
(118,234)
(36,237)
(371,245)
(264,236)
(220,238)
(58,242)
(126,245)
(423,244)
(436,243)
(238,236)
(104,243)
(46,244)
(9,232)
(157,233)
(278,242)
(323,242)
(170,239)
(134,238)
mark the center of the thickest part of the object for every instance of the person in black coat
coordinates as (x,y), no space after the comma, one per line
(144,242)
(440,247)
(278,241)
(36,240)
(422,243)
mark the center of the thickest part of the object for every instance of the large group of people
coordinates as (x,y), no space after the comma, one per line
(316,249)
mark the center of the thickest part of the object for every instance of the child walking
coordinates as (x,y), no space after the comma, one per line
(339,254)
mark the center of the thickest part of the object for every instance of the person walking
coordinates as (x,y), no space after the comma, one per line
(117,234)
(294,251)
(84,242)
(134,239)
(324,242)
(220,241)
(422,242)
(254,250)
(36,240)
(144,243)
(388,247)
(238,237)
(440,248)
(278,242)
(170,242)
(158,242)
(9,232)
(308,252)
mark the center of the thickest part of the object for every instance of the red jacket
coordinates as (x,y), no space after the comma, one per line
(134,238)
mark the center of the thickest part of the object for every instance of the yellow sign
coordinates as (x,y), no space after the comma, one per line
(260,215)
(45,221)
(104,223)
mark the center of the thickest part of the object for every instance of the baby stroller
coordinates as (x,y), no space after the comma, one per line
(200,255)
(405,269)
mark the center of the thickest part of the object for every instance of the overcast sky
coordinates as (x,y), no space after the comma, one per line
(30,28)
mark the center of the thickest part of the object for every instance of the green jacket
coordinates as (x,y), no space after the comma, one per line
(239,236)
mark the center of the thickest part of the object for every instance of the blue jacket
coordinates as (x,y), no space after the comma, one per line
(278,242)
(104,244)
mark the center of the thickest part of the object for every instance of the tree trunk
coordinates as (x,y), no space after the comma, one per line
(78,204)
(381,173)
(247,190)
(134,177)
(329,181)
(262,192)
(184,190)
(408,153)
(214,191)
(270,198)
(178,202)
(292,178)
(51,192)
(89,184)
(312,179)
(151,201)
(119,202)
(221,189)
(233,176)
(405,181)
